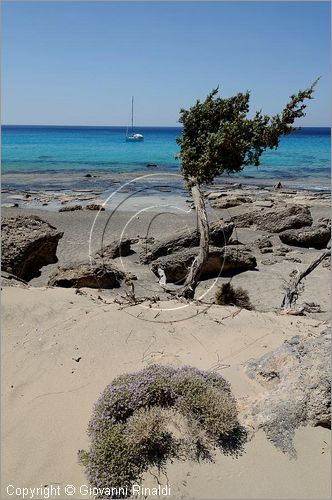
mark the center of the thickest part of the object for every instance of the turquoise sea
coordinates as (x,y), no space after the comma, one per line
(302,160)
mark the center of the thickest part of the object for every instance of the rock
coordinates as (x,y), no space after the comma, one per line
(276,220)
(293,259)
(327,262)
(324,221)
(9,205)
(88,175)
(266,250)
(95,275)
(263,203)
(95,206)
(262,243)
(313,237)
(220,233)
(230,202)
(70,208)
(221,261)
(21,197)
(28,244)
(298,390)
(281,251)
(115,249)
(216,194)
(269,262)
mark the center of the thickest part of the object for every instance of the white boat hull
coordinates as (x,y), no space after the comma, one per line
(135,138)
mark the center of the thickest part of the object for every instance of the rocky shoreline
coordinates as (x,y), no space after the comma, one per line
(90,294)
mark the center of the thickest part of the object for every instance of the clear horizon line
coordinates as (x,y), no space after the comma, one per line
(122,126)
(76,125)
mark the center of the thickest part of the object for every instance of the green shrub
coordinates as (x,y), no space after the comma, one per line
(161,413)
(228,295)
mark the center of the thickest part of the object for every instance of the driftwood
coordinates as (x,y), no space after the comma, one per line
(192,280)
(292,289)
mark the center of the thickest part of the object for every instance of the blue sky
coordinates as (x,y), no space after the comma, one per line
(79,62)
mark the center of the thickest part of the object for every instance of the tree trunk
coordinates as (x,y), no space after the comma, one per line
(292,290)
(193,277)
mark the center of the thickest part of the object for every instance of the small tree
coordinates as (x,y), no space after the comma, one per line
(219,137)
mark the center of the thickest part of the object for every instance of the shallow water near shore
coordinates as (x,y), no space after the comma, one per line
(35,156)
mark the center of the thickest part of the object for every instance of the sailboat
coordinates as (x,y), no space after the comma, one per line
(132,137)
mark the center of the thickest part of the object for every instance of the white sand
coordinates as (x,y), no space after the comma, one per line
(48,397)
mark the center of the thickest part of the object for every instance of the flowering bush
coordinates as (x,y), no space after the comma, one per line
(160,413)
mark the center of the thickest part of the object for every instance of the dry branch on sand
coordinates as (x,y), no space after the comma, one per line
(293,288)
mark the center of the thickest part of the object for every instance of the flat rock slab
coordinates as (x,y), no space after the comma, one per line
(313,237)
(221,261)
(263,203)
(28,244)
(275,220)
(298,390)
(9,205)
(219,232)
(229,202)
(216,194)
(95,275)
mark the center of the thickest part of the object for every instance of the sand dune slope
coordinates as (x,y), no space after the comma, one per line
(60,349)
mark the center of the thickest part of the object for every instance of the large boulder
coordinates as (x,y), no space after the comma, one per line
(313,237)
(276,220)
(221,261)
(94,275)
(296,377)
(118,248)
(219,232)
(28,244)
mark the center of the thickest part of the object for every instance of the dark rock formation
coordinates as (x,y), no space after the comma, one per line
(120,248)
(275,220)
(70,208)
(28,244)
(220,233)
(226,260)
(95,275)
(324,221)
(95,206)
(297,378)
(313,237)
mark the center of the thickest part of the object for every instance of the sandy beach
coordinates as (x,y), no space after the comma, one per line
(62,346)
(165,250)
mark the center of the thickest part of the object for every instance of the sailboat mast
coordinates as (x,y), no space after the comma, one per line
(132,114)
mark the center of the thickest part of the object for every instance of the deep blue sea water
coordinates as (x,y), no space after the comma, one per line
(302,160)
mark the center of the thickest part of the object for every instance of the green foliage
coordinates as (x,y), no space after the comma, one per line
(227,295)
(218,137)
(160,413)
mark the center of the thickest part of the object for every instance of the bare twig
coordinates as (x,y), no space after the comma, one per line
(292,288)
